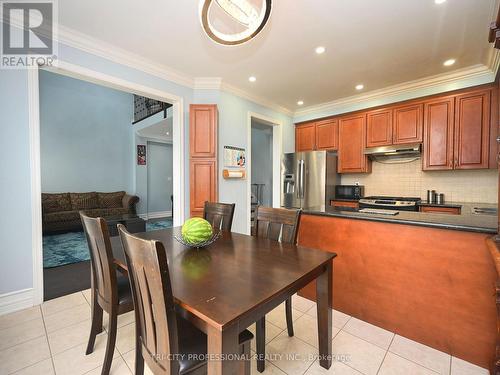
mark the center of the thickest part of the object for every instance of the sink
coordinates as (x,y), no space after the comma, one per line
(484,211)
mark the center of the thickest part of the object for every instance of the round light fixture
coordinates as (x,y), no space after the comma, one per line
(252,79)
(300,102)
(439,1)
(360,87)
(449,62)
(319,50)
(233,22)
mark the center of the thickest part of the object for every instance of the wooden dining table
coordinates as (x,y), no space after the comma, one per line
(226,287)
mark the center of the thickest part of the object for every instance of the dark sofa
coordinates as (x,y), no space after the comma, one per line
(60,210)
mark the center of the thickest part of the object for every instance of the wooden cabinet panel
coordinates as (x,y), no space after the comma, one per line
(203,184)
(352,142)
(203,130)
(408,124)
(438,134)
(441,210)
(305,137)
(472,130)
(327,133)
(350,204)
(379,128)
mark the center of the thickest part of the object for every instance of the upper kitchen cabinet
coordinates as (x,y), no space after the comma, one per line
(305,137)
(438,134)
(327,134)
(352,143)
(472,130)
(379,128)
(408,124)
(203,130)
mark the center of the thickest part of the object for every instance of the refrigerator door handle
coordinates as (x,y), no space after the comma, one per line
(301,177)
(298,179)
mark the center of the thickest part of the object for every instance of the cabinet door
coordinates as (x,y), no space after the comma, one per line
(472,127)
(203,130)
(305,137)
(203,184)
(379,128)
(408,124)
(327,134)
(438,134)
(352,142)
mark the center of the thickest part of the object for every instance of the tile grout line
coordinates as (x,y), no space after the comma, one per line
(387,351)
(416,363)
(47,339)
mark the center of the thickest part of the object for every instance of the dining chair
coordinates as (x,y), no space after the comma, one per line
(110,291)
(166,342)
(220,215)
(278,224)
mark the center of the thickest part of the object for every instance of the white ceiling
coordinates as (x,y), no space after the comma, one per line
(379,43)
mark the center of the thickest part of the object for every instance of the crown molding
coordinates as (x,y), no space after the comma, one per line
(412,89)
(207,83)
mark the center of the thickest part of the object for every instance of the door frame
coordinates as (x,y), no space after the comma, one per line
(79,72)
(277,126)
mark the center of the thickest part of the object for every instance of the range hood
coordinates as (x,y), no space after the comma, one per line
(394,153)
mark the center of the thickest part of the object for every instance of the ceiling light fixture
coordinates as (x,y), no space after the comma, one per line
(449,62)
(360,87)
(252,79)
(300,102)
(240,15)
(439,1)
(319,50)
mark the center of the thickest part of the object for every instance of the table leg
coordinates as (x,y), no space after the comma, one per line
(324,306)
(223,344)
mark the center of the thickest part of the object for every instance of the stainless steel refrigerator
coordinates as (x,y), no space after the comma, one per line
(308,179)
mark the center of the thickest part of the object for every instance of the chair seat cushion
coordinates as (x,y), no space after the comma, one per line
(194,341)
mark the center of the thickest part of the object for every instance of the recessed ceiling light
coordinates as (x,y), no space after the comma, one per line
(360,87)
(300,102)
(439,1)
(319,50)
(252,79)
(449,62)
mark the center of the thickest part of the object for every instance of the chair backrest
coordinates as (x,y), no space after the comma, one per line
(279,224)
(155,317)
(101,256)
(220,215)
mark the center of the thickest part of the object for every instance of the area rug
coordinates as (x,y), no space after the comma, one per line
(68,248)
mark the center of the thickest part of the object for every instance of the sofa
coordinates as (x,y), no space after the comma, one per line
(60,211)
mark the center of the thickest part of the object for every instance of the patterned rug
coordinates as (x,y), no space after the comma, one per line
(67,248)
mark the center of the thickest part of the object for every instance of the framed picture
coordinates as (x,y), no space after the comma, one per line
(141,154)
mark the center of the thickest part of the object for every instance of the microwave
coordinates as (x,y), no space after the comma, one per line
(353,192)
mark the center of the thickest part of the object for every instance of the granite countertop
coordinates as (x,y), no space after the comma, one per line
(466,221)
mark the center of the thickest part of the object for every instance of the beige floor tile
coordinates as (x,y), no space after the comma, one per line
(396,365)
(461,367)
(87,295)
(67,317)
(125,340)
(290,354)
(118,367)
(130,360)
(269,370)
(24,355)
(306,328)
(338,368)
(62,303)
(41,368)
(66,338)
(278,317)
(357,353)
(74,361)
(271,332)
(18,317)
(302,304)
(20,333)
(423,355)
(369,332)
(123,319)
(339,318)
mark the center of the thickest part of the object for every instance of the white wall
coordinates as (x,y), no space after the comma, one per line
(262,157)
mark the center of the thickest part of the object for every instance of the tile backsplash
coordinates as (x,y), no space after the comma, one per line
(408,180)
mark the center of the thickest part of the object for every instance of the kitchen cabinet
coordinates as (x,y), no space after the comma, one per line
(379,128)
(305,137)
(327,134)
(352,143)
(408,124)
(438,134)
(203,185)
(349,204)
(472,130)
(441,210)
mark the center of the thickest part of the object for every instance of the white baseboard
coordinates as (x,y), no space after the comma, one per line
(14,301)
(155,215)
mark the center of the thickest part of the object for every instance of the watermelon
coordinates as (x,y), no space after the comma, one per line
(196,230)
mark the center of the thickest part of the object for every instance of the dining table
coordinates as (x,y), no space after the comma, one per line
(226,287)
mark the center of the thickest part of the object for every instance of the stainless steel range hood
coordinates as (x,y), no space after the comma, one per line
(395,153)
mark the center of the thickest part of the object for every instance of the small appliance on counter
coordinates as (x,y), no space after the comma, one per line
(349,192)
(434,198)
(390,203)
